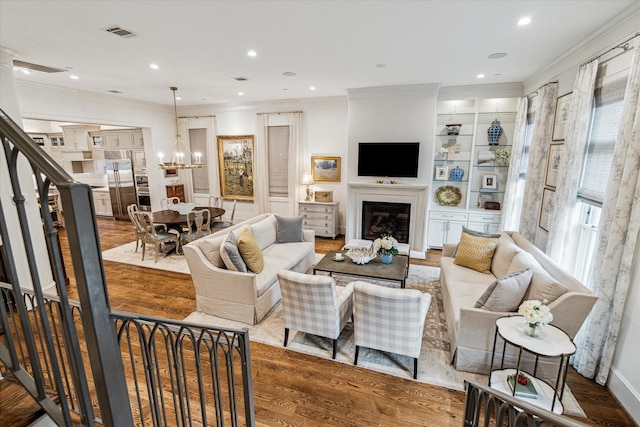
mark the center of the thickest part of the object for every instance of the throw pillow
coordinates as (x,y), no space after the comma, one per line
(475,252)
(289,229)
(475,233)
(506,293)
(230,254)
(250,251)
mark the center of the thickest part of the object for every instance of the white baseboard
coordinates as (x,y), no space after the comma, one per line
(625,393)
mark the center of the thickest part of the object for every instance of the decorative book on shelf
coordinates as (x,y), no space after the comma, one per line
(523,390)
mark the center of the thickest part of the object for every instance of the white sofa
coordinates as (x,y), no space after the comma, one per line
(245,297)
(471,330)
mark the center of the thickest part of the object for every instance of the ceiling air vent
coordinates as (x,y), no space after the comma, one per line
(37,67)
(114,91)
(119,31)
(240,79)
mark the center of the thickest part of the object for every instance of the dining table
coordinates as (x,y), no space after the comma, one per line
(174,220)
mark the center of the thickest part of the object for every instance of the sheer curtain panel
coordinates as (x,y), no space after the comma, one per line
(541,135)
(261,166)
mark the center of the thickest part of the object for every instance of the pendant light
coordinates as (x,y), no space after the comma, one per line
(178,159)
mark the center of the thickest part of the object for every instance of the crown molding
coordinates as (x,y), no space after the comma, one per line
(400,91)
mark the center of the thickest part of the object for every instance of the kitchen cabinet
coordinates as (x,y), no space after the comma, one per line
(445,227)
(320,217)
(137,141)
(77,138)
(116,139)
(139,161)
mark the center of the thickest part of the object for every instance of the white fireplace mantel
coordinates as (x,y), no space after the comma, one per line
(412,194)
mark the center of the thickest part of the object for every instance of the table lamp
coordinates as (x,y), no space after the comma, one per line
(307,180)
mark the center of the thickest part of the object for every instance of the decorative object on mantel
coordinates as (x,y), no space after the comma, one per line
(456,174)
(177,159)
(448,195)
(382,181)
(502,157)
(494,132)
(307,180)
(453,128)
(361,255)
(387,247)
(536,313)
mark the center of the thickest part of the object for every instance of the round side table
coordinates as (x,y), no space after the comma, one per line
(552,342)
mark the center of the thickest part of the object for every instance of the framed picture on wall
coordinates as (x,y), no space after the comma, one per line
(442,173)
(325,168)
(553,165)
(560,119)
(235,155)
(489,182)
(546,208)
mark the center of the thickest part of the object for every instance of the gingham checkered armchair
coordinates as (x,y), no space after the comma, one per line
(389,319)
(315,305)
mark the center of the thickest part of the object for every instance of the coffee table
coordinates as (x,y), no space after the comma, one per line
(394,272)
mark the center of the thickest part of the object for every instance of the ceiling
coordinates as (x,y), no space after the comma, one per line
(201,46)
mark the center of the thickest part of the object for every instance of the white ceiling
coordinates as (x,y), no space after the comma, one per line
(332,45)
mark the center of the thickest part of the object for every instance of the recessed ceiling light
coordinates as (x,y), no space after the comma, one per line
(312,88)
(74,77)
(252,53)
(381,65)
(480,76)
(289,73)
(241,93)
(154,66)
(524,21)
(497,55)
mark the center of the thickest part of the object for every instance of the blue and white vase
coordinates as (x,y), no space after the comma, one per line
(386,258)
(456,174)
(494,132)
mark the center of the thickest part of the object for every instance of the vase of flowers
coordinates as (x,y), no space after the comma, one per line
(502,157)
(536,314)
(387,247)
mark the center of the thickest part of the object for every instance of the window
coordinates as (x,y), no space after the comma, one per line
(278,147)
(606,114)
(198,142)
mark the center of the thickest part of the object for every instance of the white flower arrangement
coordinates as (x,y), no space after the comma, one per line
(535,312)
(385,245)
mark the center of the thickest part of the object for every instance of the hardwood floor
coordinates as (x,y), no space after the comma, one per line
(293,389)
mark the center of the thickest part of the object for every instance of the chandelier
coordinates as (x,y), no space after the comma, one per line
(177,159)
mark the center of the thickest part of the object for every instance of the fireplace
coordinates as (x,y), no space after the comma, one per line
(382,218)
(414,195)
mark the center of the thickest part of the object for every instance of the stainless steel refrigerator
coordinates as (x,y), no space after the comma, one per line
(121,186)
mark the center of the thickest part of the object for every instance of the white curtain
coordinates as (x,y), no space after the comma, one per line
(261,166)
(186,178)
(617,240)
(541,135)
(564,218)
(296,167)
(512,204)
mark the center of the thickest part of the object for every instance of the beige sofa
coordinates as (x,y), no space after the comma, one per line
(245,297)
(471,330)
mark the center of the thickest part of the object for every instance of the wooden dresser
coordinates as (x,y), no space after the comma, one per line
(320,217)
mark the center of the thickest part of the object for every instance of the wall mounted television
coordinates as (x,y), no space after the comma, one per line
(388,159)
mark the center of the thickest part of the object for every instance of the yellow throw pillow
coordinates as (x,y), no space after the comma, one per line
(250,251)
(476,252)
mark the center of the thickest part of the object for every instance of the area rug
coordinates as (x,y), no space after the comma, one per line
(127,254)
(433,366)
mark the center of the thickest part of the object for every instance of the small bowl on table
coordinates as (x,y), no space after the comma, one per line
(361,256)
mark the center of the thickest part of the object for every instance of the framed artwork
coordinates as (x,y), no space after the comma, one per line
(325,168)
(546,208)
(442,173)
(171,173)
(235,155)
(560,119)
(489,182)
(553,165)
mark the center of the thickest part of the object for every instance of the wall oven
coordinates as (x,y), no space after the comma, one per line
(142,189)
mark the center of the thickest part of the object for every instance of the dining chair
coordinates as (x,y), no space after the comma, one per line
(165,203)
(216,201)
(315,305)
(219,225)
(198,224)
(151,236)
(389,319)
(130,210)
